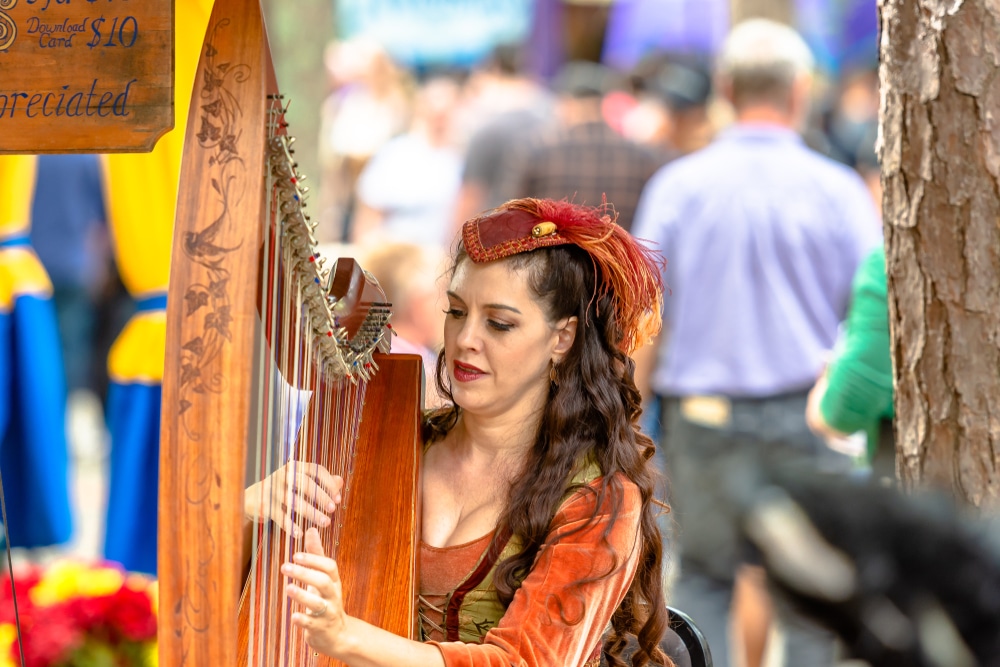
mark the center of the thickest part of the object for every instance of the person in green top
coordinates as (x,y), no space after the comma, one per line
(855,392)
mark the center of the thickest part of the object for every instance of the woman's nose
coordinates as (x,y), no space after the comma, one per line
(469,336)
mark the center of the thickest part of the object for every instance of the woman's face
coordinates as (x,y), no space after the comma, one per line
(498,341)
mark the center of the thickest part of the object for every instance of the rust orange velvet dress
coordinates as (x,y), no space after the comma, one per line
(553,621)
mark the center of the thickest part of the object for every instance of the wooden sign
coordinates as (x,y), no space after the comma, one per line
(85,76)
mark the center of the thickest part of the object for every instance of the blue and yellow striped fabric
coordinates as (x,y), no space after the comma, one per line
(142,199)
(20,271)
(33,449)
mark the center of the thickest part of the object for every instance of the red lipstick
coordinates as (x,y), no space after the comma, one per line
(466,372)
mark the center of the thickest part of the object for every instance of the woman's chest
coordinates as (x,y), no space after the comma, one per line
(457,510)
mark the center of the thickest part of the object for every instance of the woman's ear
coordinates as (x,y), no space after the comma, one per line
(565,335)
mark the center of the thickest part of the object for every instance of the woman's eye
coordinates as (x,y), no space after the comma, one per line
(500,326)
(454,312)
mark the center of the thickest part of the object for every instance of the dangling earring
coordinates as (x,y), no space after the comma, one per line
(553,374)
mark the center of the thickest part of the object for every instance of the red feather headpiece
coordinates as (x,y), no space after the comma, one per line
(628,270)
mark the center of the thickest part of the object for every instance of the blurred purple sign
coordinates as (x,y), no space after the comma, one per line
(638,27)
(842,33)
(421,32)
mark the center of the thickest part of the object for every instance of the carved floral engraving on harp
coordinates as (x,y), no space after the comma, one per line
(209,300)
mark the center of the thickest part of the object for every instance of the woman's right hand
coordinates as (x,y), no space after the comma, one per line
(296,492)
(315,584)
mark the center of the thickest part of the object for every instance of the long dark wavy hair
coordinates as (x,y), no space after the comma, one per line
(593,411)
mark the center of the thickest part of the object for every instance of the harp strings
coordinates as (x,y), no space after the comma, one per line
(264,449)
(307,414)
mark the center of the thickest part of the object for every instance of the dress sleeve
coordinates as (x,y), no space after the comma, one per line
(553,621)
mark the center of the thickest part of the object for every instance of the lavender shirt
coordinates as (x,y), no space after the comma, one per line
(762,236)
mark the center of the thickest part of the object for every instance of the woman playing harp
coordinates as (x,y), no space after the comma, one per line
(539,525)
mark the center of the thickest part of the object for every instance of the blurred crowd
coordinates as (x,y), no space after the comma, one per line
(407,156)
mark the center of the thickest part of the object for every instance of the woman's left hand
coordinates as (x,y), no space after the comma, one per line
(318,589)
(297,491)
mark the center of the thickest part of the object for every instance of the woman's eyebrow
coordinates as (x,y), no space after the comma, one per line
(494,306)
(500,306)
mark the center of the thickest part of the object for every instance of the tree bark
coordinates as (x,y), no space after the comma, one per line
(781,11)
(940,154)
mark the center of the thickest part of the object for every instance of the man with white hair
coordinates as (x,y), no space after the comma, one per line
(762,237)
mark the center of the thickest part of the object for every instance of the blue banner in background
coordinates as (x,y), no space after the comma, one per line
(435,32)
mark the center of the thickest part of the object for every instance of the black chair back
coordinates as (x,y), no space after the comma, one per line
(683,643)
(698,653)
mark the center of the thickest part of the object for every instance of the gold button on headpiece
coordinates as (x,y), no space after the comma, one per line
(543,229)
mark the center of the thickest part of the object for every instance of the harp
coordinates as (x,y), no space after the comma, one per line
(271,359)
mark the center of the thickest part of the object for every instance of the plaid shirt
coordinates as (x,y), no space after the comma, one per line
(583,163)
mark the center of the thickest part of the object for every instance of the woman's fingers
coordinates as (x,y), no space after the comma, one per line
(299,491)
(315,586)
(315,482)
(306,486)
(298,509)
(305,576)
(255,500)
(314,545)
(332,484)
(310,599)
(317,561)
(289,525)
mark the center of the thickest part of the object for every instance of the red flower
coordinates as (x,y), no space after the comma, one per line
(23,583)
(79,628)
(88,614)
(130,614)
(48,638)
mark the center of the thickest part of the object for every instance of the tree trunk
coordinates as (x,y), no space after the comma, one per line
(940,155)
(781,11)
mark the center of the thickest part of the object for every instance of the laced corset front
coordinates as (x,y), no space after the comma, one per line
(442,570)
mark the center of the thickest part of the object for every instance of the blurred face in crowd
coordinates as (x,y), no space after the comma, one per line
(425,303)
(498,341)
(436,105)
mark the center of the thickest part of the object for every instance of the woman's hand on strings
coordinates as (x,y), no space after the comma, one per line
(295,492)
(316,587)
